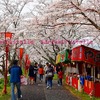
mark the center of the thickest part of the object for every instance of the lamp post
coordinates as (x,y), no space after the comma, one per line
(7,35)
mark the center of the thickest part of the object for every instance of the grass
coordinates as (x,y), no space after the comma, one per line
(55,77)
(4,96)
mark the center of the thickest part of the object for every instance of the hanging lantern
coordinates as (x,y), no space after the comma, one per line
(8,35)
(21,51)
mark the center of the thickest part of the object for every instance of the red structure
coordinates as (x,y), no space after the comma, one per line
(85,55)
(8,35)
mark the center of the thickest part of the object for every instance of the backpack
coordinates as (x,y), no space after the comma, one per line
(49,74)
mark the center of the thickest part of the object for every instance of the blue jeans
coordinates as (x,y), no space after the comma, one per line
(41,76)
(17,85)
(49,82)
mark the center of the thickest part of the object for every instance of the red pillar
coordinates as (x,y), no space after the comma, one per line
(5,76)
(7,35)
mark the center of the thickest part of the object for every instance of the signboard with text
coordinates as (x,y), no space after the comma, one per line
(86,54)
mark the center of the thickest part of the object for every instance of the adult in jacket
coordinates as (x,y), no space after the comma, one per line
(35,71)
(31,74)
(15,80)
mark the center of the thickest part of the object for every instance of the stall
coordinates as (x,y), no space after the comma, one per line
(88,60)
(64,57)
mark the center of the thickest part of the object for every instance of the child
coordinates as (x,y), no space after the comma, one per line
(60,76)
(41,73)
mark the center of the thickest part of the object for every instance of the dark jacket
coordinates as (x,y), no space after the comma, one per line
(15,73)
(35,69)
(58,68)
(31,71)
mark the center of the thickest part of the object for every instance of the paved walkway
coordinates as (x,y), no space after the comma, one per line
(38,91)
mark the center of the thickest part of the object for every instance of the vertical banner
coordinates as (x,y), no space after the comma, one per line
(27,62)
(58,57)
(21,52)
(26,57)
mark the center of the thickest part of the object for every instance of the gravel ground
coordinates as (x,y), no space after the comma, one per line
(38,91)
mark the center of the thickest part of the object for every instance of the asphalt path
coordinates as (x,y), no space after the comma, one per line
(39,91)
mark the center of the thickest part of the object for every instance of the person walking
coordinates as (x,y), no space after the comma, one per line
(41,72)
(35,72)
(45,69)
(58,67)
(15,79)
(31,74)
(49,76)
(60,76)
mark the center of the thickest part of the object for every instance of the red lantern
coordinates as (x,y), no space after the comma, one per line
(21,51)
(8,35)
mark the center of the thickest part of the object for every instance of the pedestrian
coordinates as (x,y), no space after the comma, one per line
(41,72)
(49,76)
(35,71)
(15,80)
(31,74)
(60,76)
(58,67)
(45,69)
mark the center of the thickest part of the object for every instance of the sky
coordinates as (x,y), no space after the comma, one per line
(31,5)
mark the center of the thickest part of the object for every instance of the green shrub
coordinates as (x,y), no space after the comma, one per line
(55,77)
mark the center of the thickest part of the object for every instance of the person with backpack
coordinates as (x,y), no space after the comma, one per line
(45,69)
(49,76)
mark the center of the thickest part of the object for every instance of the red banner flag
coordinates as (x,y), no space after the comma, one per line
(21,52)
